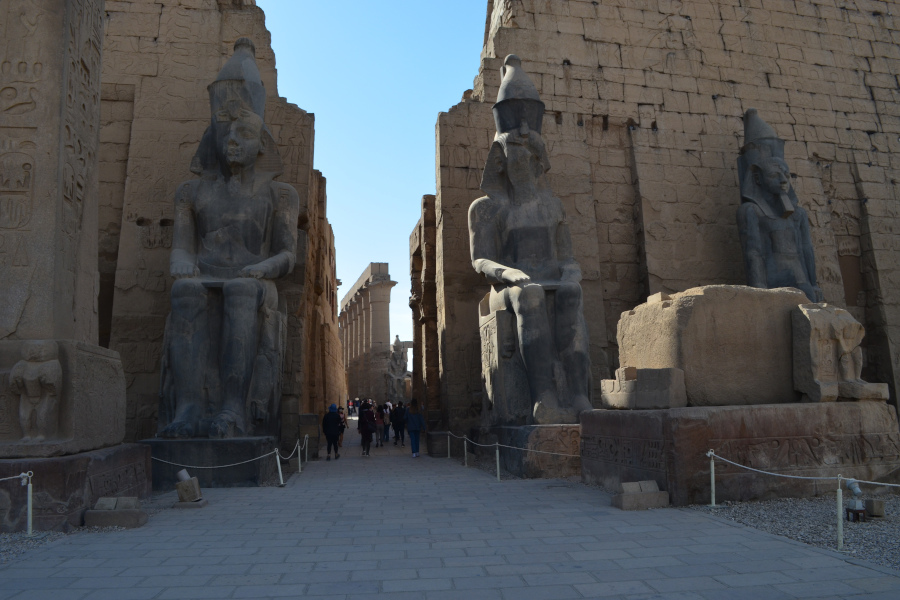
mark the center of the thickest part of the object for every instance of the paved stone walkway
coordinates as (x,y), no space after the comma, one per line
(396,527)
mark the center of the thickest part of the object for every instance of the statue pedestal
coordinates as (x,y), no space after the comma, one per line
(854,439)
(559,439)
(64,487)
(90,410)
(502,370)
(208,453)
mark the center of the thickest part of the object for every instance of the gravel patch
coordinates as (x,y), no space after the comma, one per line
(813,521)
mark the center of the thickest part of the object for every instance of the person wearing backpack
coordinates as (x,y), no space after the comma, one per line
(415,425)
(398,421)
(366,426)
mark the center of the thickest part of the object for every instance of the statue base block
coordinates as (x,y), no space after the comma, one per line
(211,453)
(64,487)
(557,439)
(854,439)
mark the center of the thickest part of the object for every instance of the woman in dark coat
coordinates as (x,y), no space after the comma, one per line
(331,427)
(366,427)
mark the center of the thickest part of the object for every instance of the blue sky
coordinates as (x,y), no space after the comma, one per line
(376,75)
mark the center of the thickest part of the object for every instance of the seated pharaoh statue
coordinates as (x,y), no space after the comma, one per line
(520,241)
(774,228)
(235,233)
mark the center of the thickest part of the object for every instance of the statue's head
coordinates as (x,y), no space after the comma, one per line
(764,174)
(518,155)
(237,136)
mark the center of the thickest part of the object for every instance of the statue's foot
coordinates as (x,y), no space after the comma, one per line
(25,439)
(548,412)
(581,404)
(178,430)
(227,424)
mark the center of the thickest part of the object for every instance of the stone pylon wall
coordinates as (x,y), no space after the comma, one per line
(644,102)
(365,326)
(159,58)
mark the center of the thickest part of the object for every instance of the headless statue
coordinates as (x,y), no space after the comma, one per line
(520,241)
(235,233)
(774,228)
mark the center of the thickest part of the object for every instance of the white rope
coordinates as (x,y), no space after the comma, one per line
(289,456)
(21,477)
(713,454)
(216,467)
(511,447)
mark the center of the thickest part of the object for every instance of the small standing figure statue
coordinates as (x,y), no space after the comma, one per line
(774,228)
(37,379)
(235,234)
(520,241)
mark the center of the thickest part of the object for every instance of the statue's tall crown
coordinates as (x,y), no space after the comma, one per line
(518,99)
(240,69)
(760,138)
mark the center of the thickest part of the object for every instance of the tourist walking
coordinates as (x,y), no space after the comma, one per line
(379,425)
(386,434)
(415,425)
(398,422)
(366,426)
(331,427)
(343,426)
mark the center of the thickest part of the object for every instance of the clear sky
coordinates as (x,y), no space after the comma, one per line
(376,74)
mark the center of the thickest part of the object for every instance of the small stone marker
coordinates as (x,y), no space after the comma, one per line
(875,508)
(116,512)
(640,495)
(189,495)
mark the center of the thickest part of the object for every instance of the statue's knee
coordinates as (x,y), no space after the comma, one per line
(242,289)
(569,294)
(187,294)
(531,298)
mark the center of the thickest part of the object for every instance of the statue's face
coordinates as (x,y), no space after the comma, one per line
(238,136)
(774,176)
(523,165)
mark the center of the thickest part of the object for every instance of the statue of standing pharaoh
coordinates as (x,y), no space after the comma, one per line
(235,234)
(774,228)
(520,241)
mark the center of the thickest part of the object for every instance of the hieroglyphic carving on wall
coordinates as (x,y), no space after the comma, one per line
(797,454)
(119,481)
(627,452)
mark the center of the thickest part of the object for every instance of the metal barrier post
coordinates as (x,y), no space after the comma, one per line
(712,478)
(840,517)
(278,464)
(497,448)
(30,505)
(448,444)
(465,452)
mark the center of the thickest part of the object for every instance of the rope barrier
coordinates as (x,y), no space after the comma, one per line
(512,447)
(839,495)
(217,466)
(25,479)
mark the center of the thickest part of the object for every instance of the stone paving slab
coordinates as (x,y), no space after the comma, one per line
(395,527)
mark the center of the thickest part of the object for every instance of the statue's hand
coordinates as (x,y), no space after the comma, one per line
(257,271)
(514,276)
(181,269)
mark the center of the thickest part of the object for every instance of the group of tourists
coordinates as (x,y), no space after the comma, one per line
(376,422)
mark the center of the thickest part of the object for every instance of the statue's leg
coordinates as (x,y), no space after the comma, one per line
(26,408)
(188,347)
(537,346)
(240,342)
(573,343)
(46,415)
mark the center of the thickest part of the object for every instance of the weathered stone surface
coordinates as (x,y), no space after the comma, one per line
(365,328)
(66,486)
(235,233)
(154,110)
(127,518)
(732,342)
(774,228)
(640,495)
(874,508)
(532,462)
(209,453)
(520,241)
(644,389)
(308,425)
(828,359)
(397,376)
(853,439)
(90,402)
(644,103)
(49,135)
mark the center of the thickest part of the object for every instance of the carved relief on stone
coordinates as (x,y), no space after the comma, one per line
(828,359)
(16,182)
(37,380)
(644,389)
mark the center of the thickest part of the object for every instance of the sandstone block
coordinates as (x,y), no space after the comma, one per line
(732,342)
(644,389)
(127,518)
(640,495)
(827,355)
(188,491)
(539,451)
(874,508)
